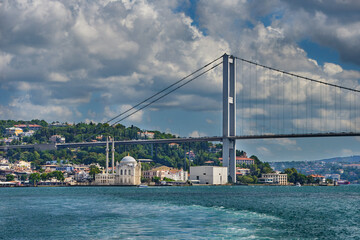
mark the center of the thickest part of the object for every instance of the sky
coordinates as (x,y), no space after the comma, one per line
(82,61)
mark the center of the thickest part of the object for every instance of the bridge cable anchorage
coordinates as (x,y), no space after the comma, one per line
(157,99)
(299,76)
(163,90)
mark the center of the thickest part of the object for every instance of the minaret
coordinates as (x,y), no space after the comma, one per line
(113,156)
(107,155)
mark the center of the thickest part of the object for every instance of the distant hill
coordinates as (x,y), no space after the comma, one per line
(350,159)
(337,165)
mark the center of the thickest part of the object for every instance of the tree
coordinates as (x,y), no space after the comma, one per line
(94,170)
(156,179)
(34,178)
(295,177)
(10,177)
(247,179)
(58,175)
(44,176)
(168,179)
(23,177)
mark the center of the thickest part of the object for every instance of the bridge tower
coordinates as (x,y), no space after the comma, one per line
(229,115)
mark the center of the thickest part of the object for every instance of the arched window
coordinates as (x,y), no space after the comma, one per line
(125,172)
(129,172)
(121,173)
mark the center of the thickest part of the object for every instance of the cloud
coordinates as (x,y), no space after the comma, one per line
(22,108)
(93,59)
(331,23)
(209,121)
(264,151)
(134,117)
(197,134)
(58,77)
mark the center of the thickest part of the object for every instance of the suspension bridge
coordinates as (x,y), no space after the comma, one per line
(271,103)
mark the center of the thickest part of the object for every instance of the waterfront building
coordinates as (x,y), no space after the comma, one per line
(104,179)
(127,172)
(274,178)
(321,178)
(209,175)
(334,177)
(81,176)
(163,171)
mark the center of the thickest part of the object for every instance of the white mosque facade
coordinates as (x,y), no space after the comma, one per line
(127,173)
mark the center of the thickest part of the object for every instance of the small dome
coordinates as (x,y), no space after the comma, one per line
(127,159)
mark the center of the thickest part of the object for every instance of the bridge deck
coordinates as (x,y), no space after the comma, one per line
(178,140)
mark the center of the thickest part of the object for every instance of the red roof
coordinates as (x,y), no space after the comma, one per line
(316,176)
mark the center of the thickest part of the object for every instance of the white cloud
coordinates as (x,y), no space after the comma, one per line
(58,77)
(332,69)
(22,108)
(196,134)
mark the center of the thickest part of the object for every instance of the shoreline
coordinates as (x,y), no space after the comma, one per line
(185,185)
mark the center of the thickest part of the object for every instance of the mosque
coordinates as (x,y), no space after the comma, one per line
(128,171)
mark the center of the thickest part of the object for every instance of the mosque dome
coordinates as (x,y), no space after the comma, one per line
(127,160)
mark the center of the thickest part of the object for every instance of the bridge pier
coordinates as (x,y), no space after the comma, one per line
(229,115)
(107,155)
(152,150)
(113,156)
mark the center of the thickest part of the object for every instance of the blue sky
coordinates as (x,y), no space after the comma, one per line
(81,61)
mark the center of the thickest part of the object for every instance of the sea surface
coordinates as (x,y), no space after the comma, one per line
(198,212)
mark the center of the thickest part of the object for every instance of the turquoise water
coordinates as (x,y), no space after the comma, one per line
(202,212)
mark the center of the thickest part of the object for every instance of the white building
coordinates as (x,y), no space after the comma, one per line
(209,175)
(128,172)
(13,131)
(81,176)
(163,171)
(275,178)
(334,177)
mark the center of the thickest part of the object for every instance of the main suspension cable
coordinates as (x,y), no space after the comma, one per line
(299,76)
(163,90)
(157,99)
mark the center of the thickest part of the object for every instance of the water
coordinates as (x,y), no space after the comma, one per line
(202,212)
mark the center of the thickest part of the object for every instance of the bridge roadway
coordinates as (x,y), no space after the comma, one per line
(175,140)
